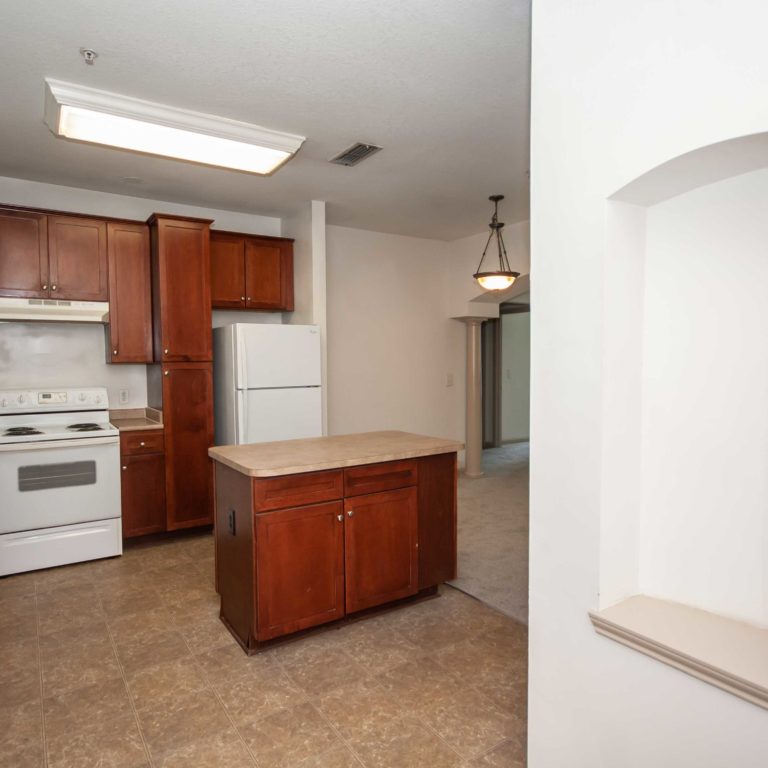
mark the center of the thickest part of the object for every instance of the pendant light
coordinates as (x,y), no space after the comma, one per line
(503,277)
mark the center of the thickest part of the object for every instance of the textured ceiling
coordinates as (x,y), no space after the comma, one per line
(442,85)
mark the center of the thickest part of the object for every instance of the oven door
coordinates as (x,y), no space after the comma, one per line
(59,483)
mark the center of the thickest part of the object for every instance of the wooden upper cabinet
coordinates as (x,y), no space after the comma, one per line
(381,548)
(300,573)
(23,254)
(130,296)
(181,289)
(227,271)
(77,255)
(188,425)
(251,272)
(269,274)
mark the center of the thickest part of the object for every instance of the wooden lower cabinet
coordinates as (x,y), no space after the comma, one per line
(329,555)
(380,548)
(143,494)
(142,482)
(188,421)
(300,576)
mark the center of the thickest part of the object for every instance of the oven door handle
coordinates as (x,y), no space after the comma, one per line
(48,444)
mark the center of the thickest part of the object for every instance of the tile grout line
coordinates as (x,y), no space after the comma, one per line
(42,690)
(150,763)
(309,700)
(221,703)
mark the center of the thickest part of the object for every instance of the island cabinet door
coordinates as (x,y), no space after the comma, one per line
(381,548)
(300,568)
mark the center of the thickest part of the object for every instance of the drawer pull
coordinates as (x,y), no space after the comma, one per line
(124,468)
(350,513)
(339,517)
(142,443)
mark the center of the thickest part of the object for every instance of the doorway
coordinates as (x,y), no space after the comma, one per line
(505,360)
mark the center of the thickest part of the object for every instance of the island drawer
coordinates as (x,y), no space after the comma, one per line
(297,490)
(151,441)
(386,476)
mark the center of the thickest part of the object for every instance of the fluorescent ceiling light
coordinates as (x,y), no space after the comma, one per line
(99,117)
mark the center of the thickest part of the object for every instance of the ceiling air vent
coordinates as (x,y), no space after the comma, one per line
(354,154)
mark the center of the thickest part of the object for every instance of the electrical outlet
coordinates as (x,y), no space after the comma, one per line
(449,380)
(124,396)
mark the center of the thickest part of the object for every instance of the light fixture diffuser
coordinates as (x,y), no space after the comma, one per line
(99,117)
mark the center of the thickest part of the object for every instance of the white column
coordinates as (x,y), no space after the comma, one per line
(474,430)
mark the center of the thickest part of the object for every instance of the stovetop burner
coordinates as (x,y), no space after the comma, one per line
(18,431)
(87,427)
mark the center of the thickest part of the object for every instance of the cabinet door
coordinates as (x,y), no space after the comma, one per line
(77,254)
(23,254)
(227,271)
(300,573)
(143,494)
(130,298)
(269,274)
(188,422)
(380,545)
(181,290)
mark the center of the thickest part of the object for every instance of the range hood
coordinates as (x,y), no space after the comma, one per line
(54,310)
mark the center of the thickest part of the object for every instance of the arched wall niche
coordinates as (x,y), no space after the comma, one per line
(684,507)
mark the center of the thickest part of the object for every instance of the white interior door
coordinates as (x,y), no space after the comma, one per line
(281,414)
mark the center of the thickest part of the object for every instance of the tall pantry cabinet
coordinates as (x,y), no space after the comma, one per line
(181,382)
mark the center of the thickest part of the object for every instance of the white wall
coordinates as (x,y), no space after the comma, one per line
(307,227)
(705,399)
(55,354)
(391,342)
(515,376)
(618,87)
(39,355)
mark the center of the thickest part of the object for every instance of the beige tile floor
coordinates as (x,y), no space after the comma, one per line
(123,663)
(493,531)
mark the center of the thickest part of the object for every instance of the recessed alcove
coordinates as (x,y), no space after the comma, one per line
(684,515)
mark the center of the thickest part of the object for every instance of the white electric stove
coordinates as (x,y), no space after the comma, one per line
(59,478)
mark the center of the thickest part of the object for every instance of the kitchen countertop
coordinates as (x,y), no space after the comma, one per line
(291,457)
(135,419)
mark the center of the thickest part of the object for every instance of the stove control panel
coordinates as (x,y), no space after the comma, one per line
(35,401)
(53,398)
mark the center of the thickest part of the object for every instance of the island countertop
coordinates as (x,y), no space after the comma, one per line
(292,457)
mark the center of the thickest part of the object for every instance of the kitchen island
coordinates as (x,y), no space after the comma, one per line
(310,532)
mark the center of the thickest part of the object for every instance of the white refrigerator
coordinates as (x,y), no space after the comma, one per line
(267,383)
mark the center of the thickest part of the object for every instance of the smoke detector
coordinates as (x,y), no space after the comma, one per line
(355,154)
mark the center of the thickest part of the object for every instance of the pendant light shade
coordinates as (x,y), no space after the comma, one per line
(502,277)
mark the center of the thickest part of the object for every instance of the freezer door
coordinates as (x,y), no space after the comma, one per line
(276,356)
(280,414)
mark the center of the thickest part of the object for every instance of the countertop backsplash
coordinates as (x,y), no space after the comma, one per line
(39,355)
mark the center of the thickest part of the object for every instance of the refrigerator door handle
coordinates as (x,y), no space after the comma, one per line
(240,361)
(241,426)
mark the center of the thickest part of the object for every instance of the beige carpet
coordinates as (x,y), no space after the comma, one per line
(493,531)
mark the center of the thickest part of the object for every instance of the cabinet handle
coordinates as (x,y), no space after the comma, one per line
(350,513)
(248,299)
(165,373)
(242,298)
(124,468)
(53,287)
(340,517)
(114,351)
(165,351)
(45,286)
(141,443)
